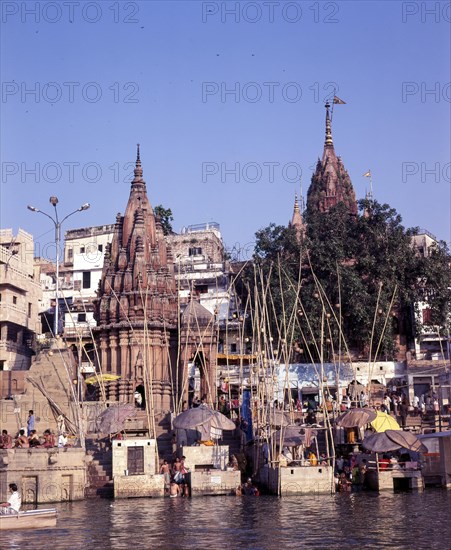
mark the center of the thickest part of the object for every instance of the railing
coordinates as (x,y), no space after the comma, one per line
(400,466)
(201,227)
(422,231)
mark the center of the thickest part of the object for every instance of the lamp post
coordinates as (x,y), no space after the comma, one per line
(54,201)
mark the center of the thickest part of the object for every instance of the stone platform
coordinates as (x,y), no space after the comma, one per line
(298,480)
(44,475)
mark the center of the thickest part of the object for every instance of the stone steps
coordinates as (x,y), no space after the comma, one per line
(100,478)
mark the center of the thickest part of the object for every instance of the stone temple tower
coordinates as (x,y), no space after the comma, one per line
(136,308)
(331,183)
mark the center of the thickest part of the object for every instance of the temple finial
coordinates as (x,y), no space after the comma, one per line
(138,171)
(296,203)
(328,142)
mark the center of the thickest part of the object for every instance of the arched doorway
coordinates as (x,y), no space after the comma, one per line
(140,396)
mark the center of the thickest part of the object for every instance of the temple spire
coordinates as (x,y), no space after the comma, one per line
(328,142)
(296,221)
(138,171)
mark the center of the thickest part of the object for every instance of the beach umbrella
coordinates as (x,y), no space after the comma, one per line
(221,422)
(101,378)
(379,443)
(355,418)
(293,436)
(393,440)
(384,422)
(192,418)
(277,418)
(203,419)
(112,419)
(406,440)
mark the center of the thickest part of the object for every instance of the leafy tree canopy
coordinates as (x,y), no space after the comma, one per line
(353,279)
(166,217)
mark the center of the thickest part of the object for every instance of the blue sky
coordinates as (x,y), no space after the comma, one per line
(160,72)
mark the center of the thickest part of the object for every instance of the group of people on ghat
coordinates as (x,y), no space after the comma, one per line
(22,441)
(31,438)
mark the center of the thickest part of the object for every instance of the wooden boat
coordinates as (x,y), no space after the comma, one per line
(29,519)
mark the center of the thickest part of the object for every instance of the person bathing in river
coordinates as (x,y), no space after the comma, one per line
(166,475)
(174,489)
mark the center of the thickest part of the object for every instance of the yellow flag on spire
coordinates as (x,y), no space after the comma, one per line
(338,101)
(367,174)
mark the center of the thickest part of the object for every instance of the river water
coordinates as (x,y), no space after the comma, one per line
(361,520)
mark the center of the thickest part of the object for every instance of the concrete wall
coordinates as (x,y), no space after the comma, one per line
(298,480)
(445,458)
(138,486)
(147,484)
(213,482)
(120,450)
(387,480)
(44,475)
(218,456)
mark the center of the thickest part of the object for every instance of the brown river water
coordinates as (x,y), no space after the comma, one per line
(361,520)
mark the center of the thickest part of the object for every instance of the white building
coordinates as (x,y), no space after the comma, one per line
(84,254)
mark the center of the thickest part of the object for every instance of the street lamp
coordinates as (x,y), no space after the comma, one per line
(54,201)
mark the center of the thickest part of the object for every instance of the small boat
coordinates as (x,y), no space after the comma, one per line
(29,519)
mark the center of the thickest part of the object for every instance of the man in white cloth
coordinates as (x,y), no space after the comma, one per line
(14,502)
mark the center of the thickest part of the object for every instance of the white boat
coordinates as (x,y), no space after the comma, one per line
(29,519)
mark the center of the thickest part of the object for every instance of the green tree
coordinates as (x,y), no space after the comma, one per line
(165,216)
(357,275)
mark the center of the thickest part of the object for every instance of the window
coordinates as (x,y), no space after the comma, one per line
(14,300)
(30,308)
(426,316)
(100,247)
(232,348)
(135,460)
(86,279)
(70,253)
(195,251)
(202,289)
(82,249)
(81,318)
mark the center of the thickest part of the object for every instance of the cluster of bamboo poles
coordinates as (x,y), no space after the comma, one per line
(272,348)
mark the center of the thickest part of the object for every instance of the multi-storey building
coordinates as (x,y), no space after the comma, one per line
(20,293)
(428,362)
(84,254)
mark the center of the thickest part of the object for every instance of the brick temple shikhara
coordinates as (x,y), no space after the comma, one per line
(331,183)
(136,310)
(140,324)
